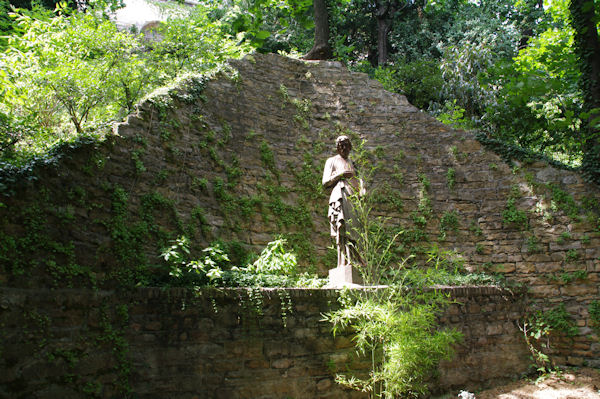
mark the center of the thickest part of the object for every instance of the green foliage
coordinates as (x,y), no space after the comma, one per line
(540,96)
(38,251)
(564,201)
(568,277)
(572,255)
(556,320)
(451,178)
(449,221)
(398,331)
(445,267)
(71,65)
(129,235)
(533,245)
(594,311)
(418,80)
(207,270)
(513,216)
(475,228)
(454,115)
(396,328)
(268,25)
(479,249)
(6,27)
(564,237)
(72,74)
(506,69)
(113,334)
(267,157)
(540,327)
(274,259)
(276,266)
(224,264)
(386,195)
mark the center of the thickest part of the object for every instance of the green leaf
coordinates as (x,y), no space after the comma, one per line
(262,35)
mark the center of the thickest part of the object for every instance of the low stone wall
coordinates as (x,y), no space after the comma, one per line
(177,343)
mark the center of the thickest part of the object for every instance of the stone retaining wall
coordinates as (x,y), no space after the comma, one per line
(239,157)
(176,343)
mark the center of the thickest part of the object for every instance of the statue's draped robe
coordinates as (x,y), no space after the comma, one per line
(340,208)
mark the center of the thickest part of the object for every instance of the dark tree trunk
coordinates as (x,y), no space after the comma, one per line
(383,28)
(384,14)
(587,47)
(321,49)
(526,34)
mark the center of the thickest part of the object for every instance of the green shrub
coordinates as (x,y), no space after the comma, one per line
(274,259)
(207,270)
(418,80)
(398,332)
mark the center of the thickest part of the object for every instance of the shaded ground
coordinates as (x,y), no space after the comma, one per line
(583,383)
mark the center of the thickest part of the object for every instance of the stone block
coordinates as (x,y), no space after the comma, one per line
(575,360)
(493,329)
(344,276)
(544,291)
(525,267)
(254,364)
(324,384)
(579,290)
(505,268)
(282,363)
(549,267)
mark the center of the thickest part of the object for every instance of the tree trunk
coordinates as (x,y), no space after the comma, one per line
(386,10)
(383,27)
(321,49)
(587,47)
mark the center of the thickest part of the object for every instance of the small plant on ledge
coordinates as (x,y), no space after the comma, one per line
(274,267)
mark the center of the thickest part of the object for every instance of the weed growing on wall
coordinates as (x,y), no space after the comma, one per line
(540,328)
(451,178)
(203,271)
(448,222)
(568,277)
(511,215)
(113,326)
(533,245)
(37,250)
(594,311)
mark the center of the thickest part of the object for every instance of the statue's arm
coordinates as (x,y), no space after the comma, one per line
(331,177)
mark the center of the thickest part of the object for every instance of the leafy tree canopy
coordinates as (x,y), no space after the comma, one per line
(507,68)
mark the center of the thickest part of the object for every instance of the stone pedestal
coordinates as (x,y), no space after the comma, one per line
(344,276)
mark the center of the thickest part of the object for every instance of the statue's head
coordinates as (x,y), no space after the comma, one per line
(343,145)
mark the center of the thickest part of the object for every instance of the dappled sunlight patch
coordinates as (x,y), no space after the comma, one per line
(577,384)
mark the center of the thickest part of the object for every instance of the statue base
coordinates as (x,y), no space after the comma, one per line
(343,276)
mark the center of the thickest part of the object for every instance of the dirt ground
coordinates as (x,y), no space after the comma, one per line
(582,383)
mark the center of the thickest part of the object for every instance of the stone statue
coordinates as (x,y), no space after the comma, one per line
(340,176)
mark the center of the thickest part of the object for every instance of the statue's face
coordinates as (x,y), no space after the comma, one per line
(343,148)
